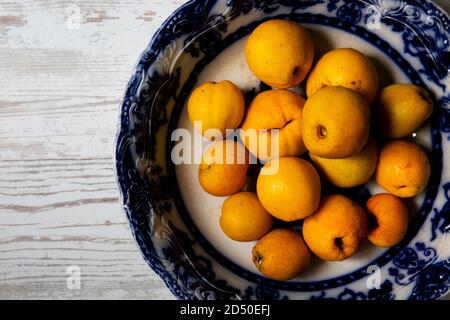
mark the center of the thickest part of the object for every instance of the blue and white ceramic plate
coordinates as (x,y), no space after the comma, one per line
(175,223)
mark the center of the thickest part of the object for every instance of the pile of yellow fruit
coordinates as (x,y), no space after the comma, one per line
(334,127)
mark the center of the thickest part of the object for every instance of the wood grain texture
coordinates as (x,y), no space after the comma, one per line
(62,78)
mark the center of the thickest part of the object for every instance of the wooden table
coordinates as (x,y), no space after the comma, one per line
(63,68)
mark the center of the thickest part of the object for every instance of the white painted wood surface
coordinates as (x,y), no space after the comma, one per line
(62,76)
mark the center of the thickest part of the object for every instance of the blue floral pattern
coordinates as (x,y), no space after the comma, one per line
(351,11)
(168,245)
(445,115)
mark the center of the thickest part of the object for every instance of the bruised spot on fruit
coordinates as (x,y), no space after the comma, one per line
(401,187)
(372,222)
(321,132)
(339,243)
(257,259)
(296,71)
(425,96)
